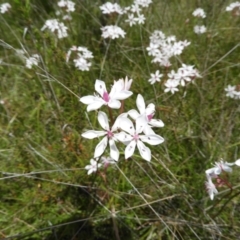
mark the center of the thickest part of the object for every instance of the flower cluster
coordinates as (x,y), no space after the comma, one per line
(215,173)
(109,8)
(56,27)
(132,128)
(233,91)
(162,48)
(112,31)
(134,13)
(81,59)
(5,7)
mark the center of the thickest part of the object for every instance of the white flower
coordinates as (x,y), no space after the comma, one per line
(211,188)
(131,20)
(140,19)
(148,114)
(109,136)
(218,168)
(171,86)
(232,6)
(82,64)
(200,29)
(108,8)
(199,12)
(54,26)
(93,167)
(143,3)
(112,32)
(33,60)
(110,99)
(187,73)
(133,138)
(230,91)
(4,7)
(67,4)
(155,77)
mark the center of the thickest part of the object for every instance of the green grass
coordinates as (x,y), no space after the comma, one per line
(45,190)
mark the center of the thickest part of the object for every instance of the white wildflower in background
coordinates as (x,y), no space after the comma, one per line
(186,73)
(162,48)
(155,77)
(171,86)
(199,12)
(112,32)
(56,27)
(233,7)
(131,20)
(33,60)
(81,58)
(211,188)
(93,167)
(214,173)
(112,99)
(199,29)
(5,7)
(143,3)
(108,8)
(233,91)
(68,5)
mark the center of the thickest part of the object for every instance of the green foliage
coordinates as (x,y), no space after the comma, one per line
(45,190)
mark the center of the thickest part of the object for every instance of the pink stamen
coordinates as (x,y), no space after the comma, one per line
(106,97)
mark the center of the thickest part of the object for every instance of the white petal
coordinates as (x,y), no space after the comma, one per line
(93,134)
(114,104)
(123,137)
(152,139)
(156,123)
(140,104)
(87,99)
(117,122)
(141,123)
(144,151)
(127,125)
(237,162)
(95,105)
(100,148)
(150,109)
(100,87)
(103,120)
(148,130)
(121,95)
(114,153)
(133,114)
(129,150)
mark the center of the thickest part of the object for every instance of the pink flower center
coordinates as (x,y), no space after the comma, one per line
(136,137)
(109,134)
(149,117)
(106,97)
